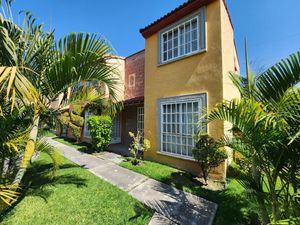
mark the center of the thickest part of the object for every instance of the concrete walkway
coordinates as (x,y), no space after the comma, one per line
(171,206)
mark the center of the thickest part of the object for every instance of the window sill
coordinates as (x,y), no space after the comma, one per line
(181,57)
(177,156)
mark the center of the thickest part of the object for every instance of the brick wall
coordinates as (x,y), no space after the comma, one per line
(134,75)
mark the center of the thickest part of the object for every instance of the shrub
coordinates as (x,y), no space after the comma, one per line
(208,154)
(100,131)
(138,147)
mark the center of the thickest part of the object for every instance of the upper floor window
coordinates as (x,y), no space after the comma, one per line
(183,38)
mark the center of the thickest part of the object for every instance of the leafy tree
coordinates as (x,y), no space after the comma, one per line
(208,154)
(76,120)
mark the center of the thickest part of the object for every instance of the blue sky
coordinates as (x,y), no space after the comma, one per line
(270,26)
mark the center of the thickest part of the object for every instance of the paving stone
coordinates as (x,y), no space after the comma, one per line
(109,156)
(181,207)
(121,177)
(158,219)
(90,162)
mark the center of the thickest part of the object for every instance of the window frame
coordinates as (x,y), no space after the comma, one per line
(140,119)
(116,129)
(200,15)
(87,114)
(202,97)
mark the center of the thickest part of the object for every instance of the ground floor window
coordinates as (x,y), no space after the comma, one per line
(116,130)
(179,118)
(140,119)
(86,132)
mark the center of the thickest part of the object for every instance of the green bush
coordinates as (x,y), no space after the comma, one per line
(208,154)
(100,131)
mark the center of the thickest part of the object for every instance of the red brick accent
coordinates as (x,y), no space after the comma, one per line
(135,66)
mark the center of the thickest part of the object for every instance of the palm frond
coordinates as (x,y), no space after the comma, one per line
(273,83)
(8,193)
(244,114)
(81,57)
(55,155)
(237,144)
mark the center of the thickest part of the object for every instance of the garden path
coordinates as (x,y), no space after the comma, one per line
(171,206)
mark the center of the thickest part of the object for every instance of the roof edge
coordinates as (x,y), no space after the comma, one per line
(226,7)
(171,17)
(135,53)
(178,13)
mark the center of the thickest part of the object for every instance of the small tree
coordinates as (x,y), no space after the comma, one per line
(138,147)
(100,131)
(76,120)
(63,121)
(208,154)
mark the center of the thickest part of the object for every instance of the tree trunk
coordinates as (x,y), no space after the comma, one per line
(263,209)
(256,175)
(29,150)
(274,202)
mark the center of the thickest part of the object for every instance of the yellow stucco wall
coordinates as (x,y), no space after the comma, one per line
(230,64)
(200,73)
(119,64)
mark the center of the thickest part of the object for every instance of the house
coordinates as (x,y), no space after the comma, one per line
(184,69)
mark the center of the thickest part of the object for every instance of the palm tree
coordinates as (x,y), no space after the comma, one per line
(266,123)
(37,71)
(14,131)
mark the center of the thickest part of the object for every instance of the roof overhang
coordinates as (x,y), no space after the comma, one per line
(134,101)
(173,16)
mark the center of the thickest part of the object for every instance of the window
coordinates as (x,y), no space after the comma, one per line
(183,38)
(179,118)
(116,131)
(78,87)
(140,119)
(131,80)
(86,132)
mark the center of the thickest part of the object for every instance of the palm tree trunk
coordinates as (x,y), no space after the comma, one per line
(256,175)
(29,150)
(274,202)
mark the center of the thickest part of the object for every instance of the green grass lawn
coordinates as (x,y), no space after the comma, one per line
(72,196)
(48,133)
(81,146)
(72,143)
(233,207)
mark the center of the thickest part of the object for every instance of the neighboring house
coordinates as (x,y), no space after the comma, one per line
(184,69)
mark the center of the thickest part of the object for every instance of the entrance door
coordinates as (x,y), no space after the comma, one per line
(116,131)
